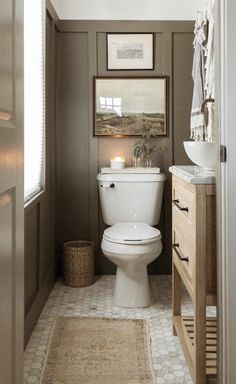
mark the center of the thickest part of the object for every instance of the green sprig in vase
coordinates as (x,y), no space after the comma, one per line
(137,159)
(145,147)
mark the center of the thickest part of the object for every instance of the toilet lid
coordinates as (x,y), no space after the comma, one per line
(132,233)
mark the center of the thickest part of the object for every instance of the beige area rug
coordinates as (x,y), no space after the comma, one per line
(98,351)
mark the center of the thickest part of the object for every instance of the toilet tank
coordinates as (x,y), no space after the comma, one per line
(131,198)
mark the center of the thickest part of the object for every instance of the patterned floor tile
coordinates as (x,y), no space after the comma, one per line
(97,300)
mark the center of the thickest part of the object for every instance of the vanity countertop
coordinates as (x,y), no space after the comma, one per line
(193,174)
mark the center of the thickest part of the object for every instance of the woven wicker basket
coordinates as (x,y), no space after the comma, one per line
(78,263)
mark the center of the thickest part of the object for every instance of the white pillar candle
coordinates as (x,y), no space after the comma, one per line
(117,163)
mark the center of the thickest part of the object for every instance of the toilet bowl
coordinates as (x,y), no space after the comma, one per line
(132,246)
(131,202)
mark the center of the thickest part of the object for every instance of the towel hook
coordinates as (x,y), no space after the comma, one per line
(209,100)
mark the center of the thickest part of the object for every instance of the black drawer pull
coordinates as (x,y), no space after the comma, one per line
(176,203)
(176,246)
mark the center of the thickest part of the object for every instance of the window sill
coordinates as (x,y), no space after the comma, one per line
(34,200)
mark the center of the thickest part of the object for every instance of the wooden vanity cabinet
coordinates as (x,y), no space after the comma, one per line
(194,265)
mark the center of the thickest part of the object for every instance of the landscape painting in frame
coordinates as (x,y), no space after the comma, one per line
(130,106)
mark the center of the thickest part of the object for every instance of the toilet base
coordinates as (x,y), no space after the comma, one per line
(130,292)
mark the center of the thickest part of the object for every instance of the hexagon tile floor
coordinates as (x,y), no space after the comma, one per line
(97,301)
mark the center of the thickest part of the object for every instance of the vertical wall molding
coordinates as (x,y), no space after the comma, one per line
(168,153)
(93,145)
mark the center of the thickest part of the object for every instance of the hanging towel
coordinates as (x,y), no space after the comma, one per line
(198,74)
(210,131)
(210,70)
(210,51)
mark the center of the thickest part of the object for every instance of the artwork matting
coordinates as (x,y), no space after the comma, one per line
(130,51)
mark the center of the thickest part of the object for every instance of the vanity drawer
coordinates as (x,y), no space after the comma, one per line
(185,225)
(184,247)
(183,200)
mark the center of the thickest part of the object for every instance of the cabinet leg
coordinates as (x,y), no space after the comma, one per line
(176,294)
(200,354)
(200,334)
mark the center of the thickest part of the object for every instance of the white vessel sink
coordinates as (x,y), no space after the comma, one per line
(201,153)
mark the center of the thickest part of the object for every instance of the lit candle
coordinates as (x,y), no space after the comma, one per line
(117,163)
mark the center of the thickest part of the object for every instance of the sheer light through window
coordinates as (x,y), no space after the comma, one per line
(34,79)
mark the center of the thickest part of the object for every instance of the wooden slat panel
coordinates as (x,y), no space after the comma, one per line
(211,356)
(211,363)
(211,341)
(211,348)
(211,372)
(211,335)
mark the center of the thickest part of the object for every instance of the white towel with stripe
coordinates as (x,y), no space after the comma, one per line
(198,74)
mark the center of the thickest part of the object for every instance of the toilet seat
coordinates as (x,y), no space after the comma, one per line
(132,233)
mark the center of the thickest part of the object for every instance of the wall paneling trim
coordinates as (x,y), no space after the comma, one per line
(40,260)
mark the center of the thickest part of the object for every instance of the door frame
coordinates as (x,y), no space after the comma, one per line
(11,192)
(226,190)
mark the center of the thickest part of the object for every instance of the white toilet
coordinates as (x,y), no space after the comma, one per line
(131,205)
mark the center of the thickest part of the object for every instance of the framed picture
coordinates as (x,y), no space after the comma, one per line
(128,106)
(130,51)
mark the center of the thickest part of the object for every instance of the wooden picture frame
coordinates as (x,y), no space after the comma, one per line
(130,51)
(128,106)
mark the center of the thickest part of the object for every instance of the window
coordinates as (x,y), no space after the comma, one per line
(110,103)
(34,82)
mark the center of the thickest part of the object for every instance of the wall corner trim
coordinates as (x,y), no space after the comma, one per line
(126,26)
(51,10)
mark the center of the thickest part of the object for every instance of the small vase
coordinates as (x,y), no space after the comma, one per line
(148,161)
(137,162)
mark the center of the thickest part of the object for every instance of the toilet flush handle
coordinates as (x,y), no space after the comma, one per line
(112,185)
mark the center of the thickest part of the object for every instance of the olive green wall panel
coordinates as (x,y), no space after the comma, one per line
(182,93)
(80,155)
(31,255)
(73,133)
(40,260)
